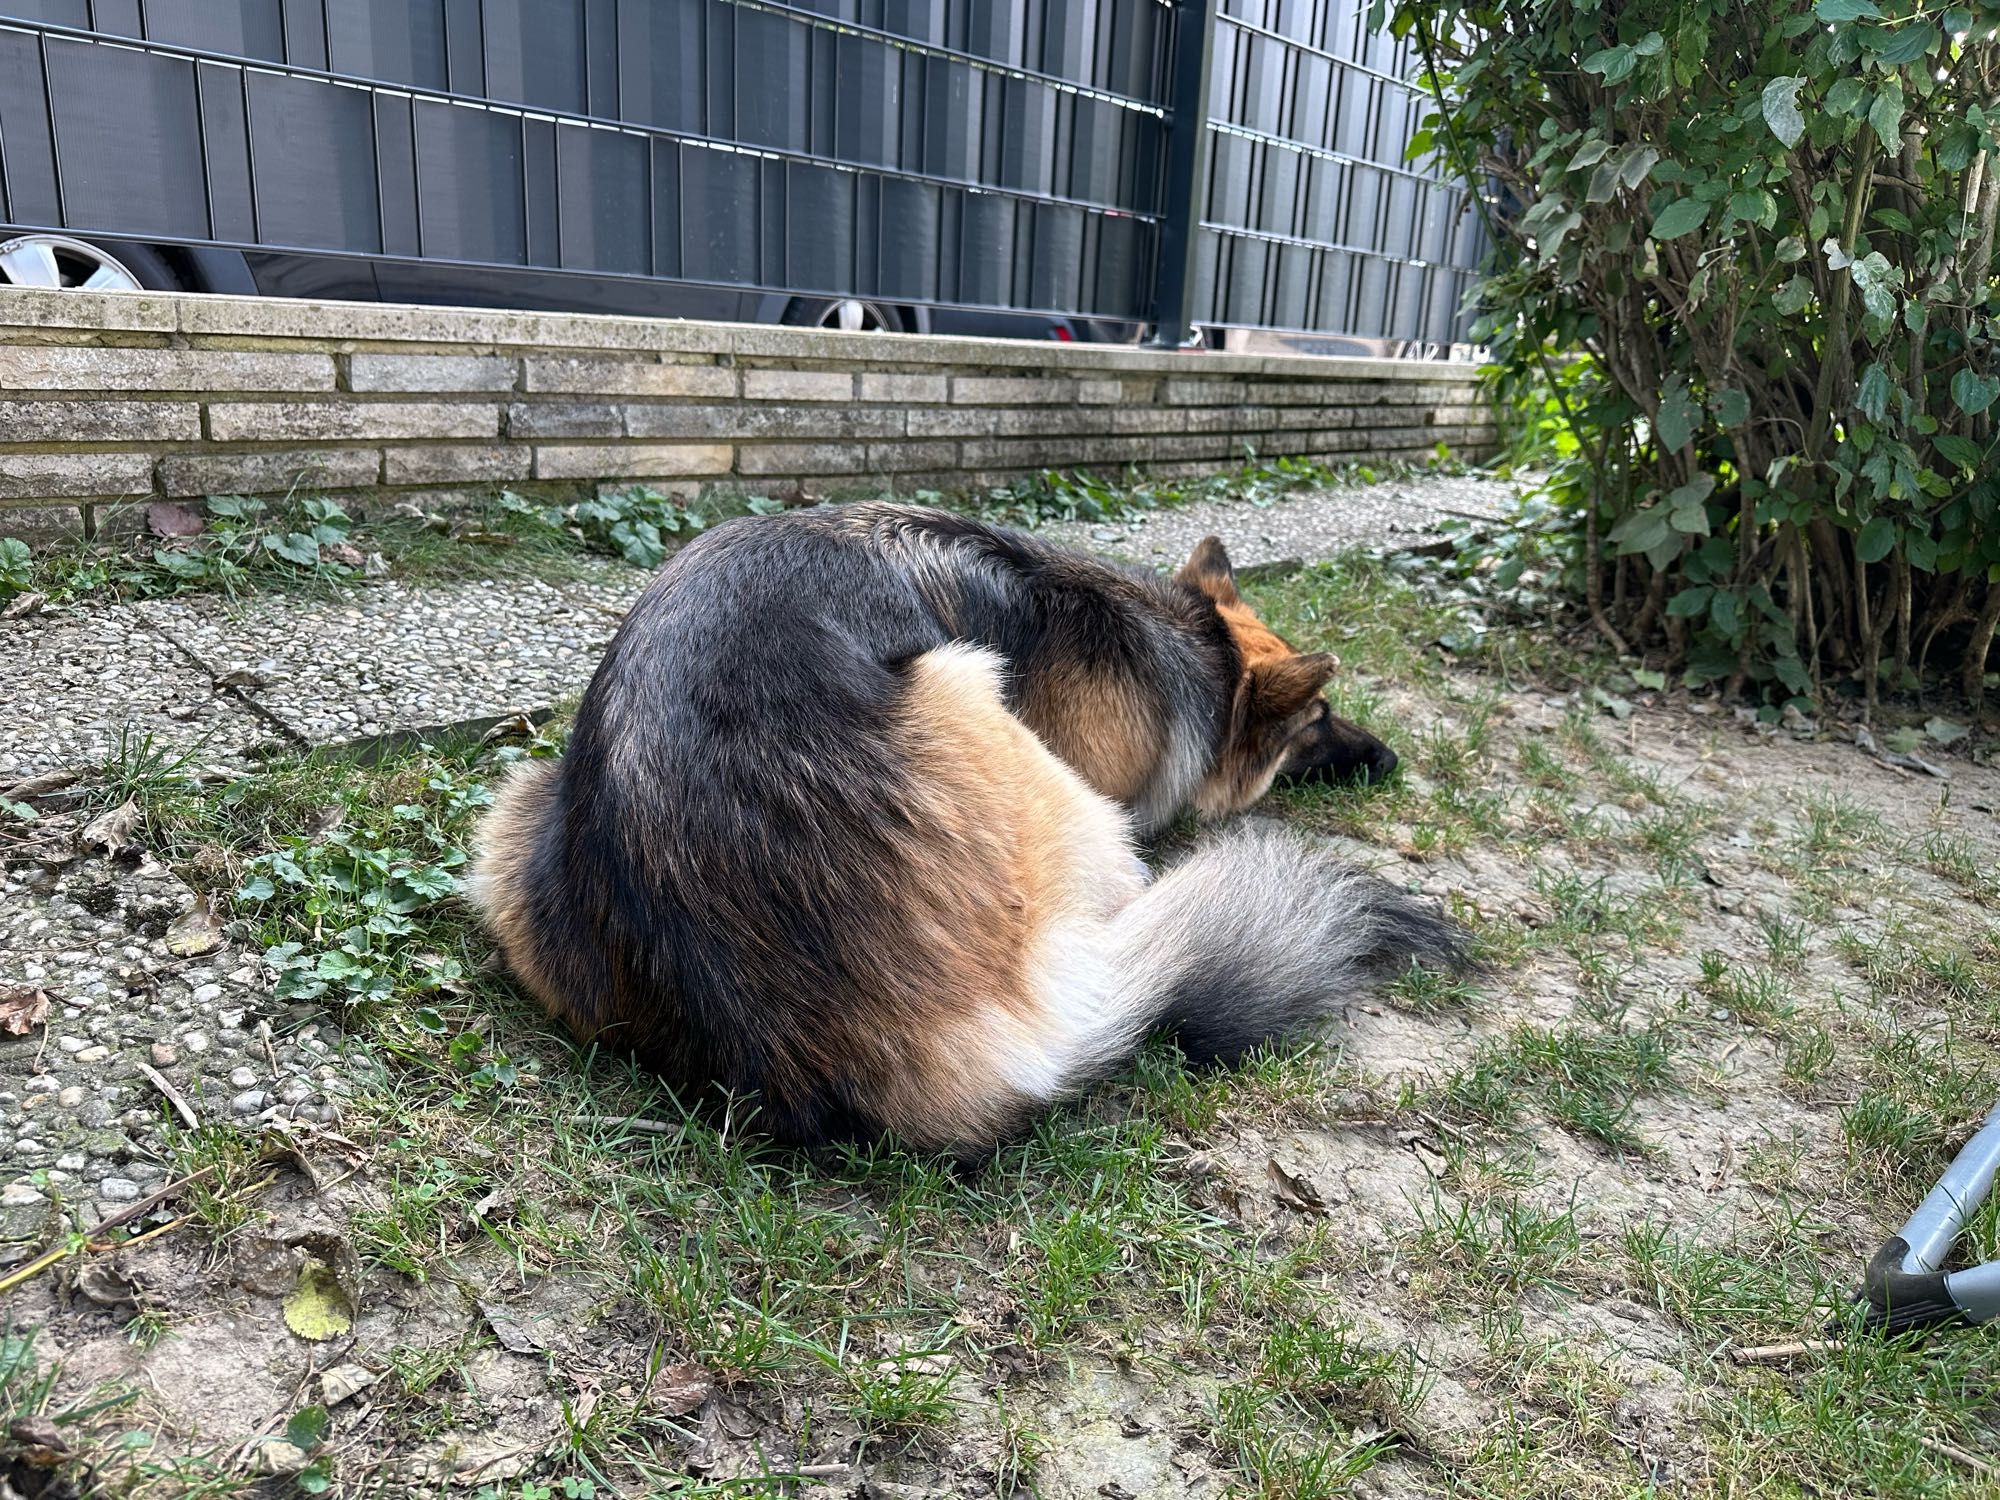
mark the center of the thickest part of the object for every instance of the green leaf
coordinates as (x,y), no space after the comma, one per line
(1726,610)
(1682,216)
(1876,541)
(1641,531)
(1589,152)
(1678,414)
(1833,12)
(1603,182)
(1781,110)
(307,1428)
(1973,392)
(1793,295)
(1691,603)
(1961,451)
(1886,115)
(1897,48)
(1945,731)
(1731,407)
(1871,397)
(1877,281)
(1848,96)
(1615,63)
(257,888)
(294,547)
(1637,163)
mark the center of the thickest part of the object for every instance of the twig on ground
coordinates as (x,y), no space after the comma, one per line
(172,1095)
(631,1122)
(1772,1354)
(1952,1451)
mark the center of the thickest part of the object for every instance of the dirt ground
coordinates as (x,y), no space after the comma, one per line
(1511,1237)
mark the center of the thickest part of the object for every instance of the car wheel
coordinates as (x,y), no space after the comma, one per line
(62,262)
(848,314)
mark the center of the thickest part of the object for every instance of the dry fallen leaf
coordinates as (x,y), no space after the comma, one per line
(514,726)
(114,831)
(23,605)
(1294,1192)
(679,1389)
(196,931)
(515,1336)
(21,1011)
(345,553)
(38,786)
(165,518)
(343,1381)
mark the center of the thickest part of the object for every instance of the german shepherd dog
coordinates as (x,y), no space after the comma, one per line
(847,821)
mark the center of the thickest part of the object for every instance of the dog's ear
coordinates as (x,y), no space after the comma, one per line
(1208,569)
(1279,689)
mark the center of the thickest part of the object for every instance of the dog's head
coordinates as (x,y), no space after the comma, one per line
(1279,725)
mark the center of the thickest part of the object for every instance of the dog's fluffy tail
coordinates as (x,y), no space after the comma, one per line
(1259,935)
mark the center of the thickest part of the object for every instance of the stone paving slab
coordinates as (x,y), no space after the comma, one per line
(397,657)
(88,934)
(1296,528)
(71,684)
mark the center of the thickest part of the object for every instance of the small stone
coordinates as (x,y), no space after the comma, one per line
(196,1042)
(74,1161)
(70,1097)
(229,1020)
(93,1054)
(165,1054)
(250,1101)
(207,994)
(71,1044)
(118,1189)
(242,1078)
(296,1092)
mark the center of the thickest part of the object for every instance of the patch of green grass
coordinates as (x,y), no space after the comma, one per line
(1587,1080)
(1503,1241)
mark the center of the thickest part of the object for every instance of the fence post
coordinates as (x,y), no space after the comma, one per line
(1187,172)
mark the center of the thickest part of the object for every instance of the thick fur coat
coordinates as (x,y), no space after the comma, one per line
(848,820)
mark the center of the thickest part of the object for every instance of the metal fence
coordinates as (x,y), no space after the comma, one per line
(1007,154)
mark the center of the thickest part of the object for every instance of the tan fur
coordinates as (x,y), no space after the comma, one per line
(500,881)
(1100,724)
(1014,844)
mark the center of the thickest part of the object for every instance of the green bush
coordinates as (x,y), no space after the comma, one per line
(1769,229)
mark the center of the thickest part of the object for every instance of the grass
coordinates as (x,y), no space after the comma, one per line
(1504,1170)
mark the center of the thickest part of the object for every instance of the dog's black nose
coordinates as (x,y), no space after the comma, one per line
(1381,762)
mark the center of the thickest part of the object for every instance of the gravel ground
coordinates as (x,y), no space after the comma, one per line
(82,1118)
(1296,528)
(74,682)
(405,657)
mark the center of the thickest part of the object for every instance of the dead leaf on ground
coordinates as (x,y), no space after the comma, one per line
(325,821)
(513,727)
(24,604)
(42,1445)
(197,930)
(22,1010)
(343,1381)
(345,553)
(105,1285)
(679,1389)
(1293,1191)
(515,1336)
(165,518)
(39,786)
(115,831)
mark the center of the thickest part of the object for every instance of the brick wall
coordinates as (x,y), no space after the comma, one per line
(109,398)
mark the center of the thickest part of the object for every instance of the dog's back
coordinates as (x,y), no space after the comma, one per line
(803,843)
